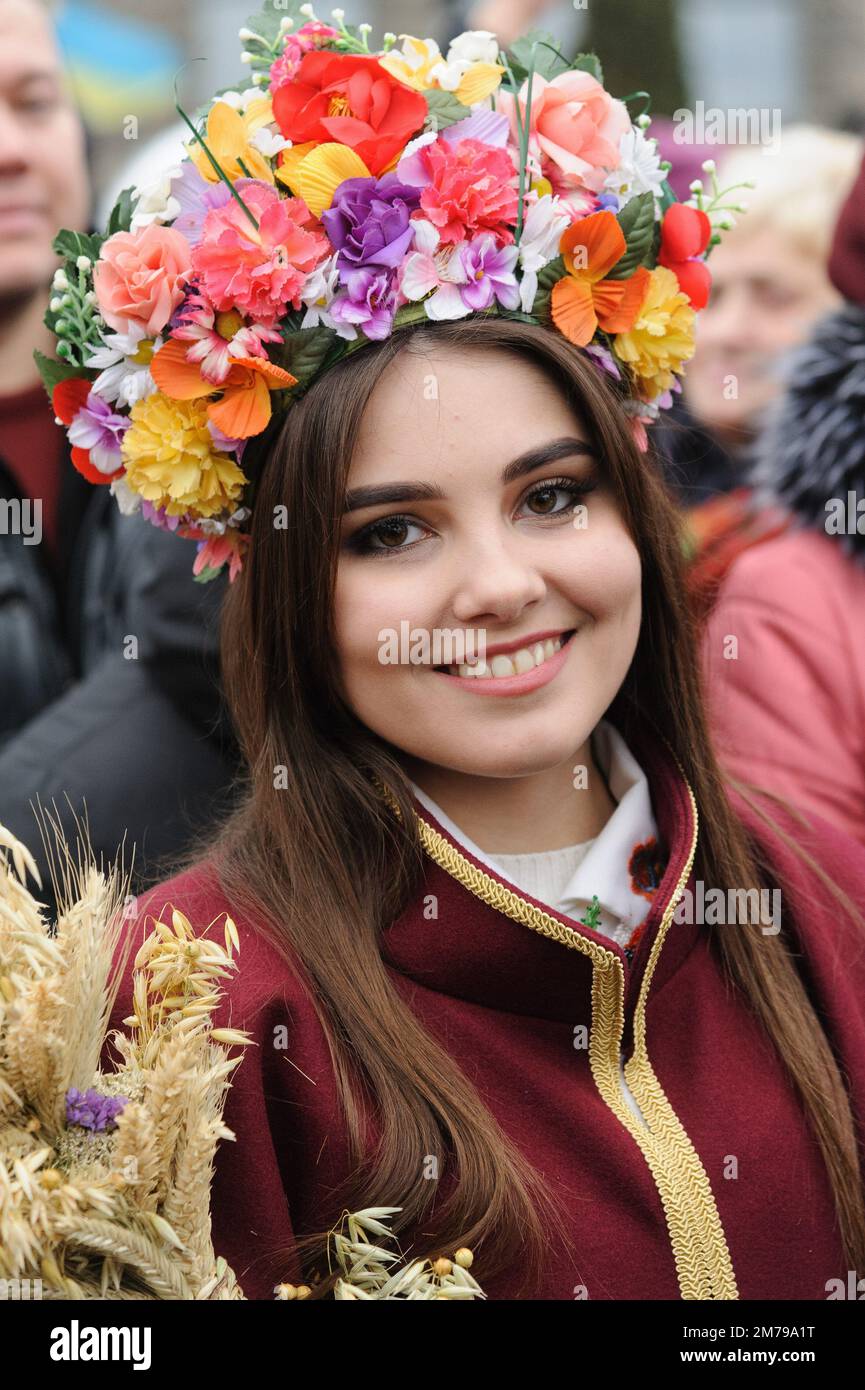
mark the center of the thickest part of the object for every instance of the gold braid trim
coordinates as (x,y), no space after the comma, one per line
(703,1265)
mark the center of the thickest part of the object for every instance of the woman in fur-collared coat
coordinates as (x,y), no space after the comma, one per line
(787,695)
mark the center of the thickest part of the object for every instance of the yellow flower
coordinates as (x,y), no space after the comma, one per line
(662,337)
(171,461)
(415,66)
(228,138)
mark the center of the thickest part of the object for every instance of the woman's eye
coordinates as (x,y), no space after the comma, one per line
(390,533)
(395,533)
(546,495)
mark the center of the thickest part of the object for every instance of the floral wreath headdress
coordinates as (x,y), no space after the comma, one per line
(344,193)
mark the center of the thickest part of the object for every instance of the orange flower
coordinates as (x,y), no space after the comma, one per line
(243,408)
(583,300)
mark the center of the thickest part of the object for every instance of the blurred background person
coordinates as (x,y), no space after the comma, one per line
(769,287)
(785,644)
(39,192)
(108,649)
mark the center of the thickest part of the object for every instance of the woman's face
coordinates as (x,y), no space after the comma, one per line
(459,537)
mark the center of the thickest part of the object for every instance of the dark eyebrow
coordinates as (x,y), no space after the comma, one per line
(378,494)
(38,75)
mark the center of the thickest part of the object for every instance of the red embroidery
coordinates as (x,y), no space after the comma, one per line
(646,868)
(634,938)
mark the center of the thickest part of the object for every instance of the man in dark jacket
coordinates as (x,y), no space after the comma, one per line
(109,697)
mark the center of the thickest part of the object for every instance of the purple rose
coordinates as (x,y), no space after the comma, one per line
(368,222)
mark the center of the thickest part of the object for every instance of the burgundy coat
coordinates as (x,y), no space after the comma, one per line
(721,1194)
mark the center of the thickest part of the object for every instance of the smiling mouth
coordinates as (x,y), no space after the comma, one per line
(505,665)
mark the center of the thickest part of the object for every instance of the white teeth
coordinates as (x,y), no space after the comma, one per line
(524,660)
(510,663)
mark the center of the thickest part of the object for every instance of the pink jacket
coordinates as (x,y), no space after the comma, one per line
(788,709)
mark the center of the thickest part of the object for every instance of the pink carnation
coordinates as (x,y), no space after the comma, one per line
(470,189)
(258,272)
(140,277)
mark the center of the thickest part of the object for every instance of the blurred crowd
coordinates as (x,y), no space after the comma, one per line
(109,649)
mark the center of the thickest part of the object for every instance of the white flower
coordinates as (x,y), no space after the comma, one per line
(268,142)
(128,501)
(434,267)
(155,203)
(123,380)
(318,291)
(428,137)
(473,46)
(639,168)
(542,231)
(213,526)
(404,170)
(239,100)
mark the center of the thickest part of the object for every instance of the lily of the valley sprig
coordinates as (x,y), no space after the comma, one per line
(341,192)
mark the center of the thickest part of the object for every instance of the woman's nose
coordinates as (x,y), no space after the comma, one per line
(497,579)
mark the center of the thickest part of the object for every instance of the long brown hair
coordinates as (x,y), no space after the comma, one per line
(326,866)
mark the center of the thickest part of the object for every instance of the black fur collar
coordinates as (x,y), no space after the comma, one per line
(811,455)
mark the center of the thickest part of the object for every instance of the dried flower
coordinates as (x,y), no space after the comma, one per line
(92,1110)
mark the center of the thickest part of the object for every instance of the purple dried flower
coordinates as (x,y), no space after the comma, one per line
(92,1110)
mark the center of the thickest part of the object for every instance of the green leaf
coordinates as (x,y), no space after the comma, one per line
(514,314)
(207,574)
(589,62)
(668,197)
(304,353)
(53,371)
(547,277)
(637,221)
(71,245)
(548,60)
(443,109)
(410,313)
(121,213)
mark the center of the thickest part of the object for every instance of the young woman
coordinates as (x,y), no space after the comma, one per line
(647,1096)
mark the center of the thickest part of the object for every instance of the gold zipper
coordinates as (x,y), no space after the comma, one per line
(703,1265)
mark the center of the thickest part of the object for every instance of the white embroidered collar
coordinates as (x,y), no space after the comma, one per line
(603,869)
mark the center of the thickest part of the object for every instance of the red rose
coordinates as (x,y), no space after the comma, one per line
(353,100)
